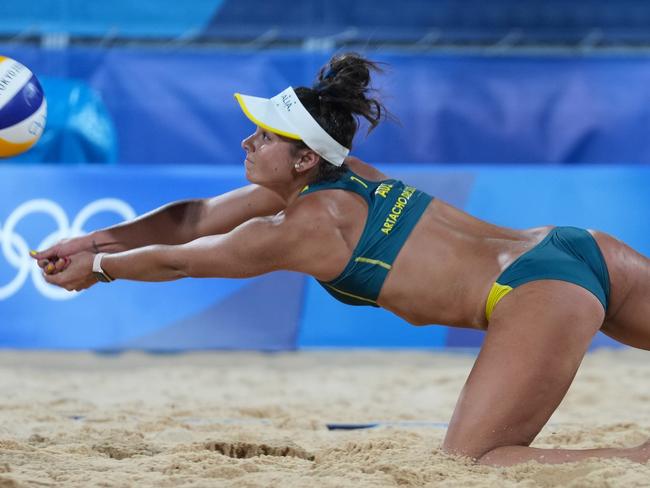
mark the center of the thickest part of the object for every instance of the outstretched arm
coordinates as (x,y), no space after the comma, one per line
(256,247)
(174,223)
(299,241)
(184,221)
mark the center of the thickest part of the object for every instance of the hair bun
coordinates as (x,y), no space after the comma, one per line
(344,83)
(346,72)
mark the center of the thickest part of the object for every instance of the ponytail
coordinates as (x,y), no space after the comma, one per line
(338,99)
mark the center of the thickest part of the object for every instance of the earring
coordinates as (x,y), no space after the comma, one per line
(297,165)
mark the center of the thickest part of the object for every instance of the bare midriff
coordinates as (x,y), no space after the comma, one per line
(445,270)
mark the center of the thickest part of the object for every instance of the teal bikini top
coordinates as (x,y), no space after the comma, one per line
(393,210)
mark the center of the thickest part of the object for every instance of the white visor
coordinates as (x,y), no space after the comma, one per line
(285,115)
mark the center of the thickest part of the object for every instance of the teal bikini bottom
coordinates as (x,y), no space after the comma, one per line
(566,254)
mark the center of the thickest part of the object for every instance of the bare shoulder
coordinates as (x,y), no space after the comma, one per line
(313,224)
(311,212)
(364,169)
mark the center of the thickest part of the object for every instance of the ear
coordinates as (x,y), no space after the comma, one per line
(308,159)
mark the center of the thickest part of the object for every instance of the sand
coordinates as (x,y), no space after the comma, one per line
(236,419)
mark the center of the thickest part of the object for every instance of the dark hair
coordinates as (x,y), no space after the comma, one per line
(337,100)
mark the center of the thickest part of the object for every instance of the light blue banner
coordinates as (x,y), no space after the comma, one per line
(39,205)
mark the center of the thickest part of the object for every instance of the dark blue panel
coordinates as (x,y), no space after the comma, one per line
(172,107)
(446,21)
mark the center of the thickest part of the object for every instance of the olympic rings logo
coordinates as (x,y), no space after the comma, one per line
(16,250)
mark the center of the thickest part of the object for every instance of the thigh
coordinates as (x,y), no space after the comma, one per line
(537,337)
(628,315)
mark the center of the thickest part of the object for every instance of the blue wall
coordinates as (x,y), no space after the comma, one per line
(356,20)
(40,204)
(177,107)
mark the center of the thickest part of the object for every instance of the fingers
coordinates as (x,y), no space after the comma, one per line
(48,254)
(44,258)
(61,264)
(72,284)
(55,265)
(53,279)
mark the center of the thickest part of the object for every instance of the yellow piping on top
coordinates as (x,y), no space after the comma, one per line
(497,292)
(262,124)
(354,178)
(373,261)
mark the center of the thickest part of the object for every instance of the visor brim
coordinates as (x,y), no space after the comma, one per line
(262,112)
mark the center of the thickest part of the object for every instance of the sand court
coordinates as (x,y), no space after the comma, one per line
(245,419)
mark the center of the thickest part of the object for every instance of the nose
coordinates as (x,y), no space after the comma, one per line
(246,144)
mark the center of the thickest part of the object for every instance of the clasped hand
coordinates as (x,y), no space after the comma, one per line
(69,270)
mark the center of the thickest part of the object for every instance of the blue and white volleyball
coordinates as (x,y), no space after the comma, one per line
(23,108)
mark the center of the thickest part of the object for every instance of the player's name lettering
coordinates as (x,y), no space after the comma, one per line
(397,209)
(383,189)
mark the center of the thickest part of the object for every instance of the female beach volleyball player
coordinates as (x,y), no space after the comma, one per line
(540,294)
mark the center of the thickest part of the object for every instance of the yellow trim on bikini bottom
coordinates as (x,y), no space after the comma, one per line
(497,292)
(377,262)
(350,294)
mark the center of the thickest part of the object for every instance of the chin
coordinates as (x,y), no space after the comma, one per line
(247,174)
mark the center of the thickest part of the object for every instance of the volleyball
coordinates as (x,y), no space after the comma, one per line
(23,108)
